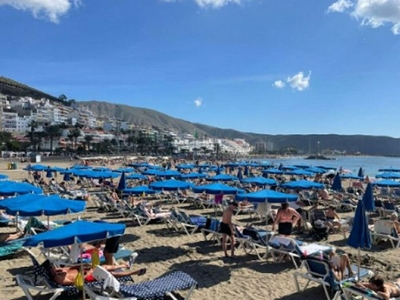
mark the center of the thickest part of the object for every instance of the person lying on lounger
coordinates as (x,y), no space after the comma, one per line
(66,276)
(384,289)
(8,237)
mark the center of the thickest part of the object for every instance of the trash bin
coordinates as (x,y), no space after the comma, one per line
(14,166)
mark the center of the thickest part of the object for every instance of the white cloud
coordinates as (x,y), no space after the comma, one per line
(211,3)
(340,6)
(374,13)
(279,84)
(299,81)
(198,102)
(48,9)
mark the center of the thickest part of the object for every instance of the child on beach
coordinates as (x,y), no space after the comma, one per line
(339,264)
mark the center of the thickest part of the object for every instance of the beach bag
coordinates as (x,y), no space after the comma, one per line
(79,280)
(95,258)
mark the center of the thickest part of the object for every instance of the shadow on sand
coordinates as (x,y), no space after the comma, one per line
(164,253)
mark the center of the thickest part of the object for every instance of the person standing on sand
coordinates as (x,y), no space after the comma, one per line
(227,228)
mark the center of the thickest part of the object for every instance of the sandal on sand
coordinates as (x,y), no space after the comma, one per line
(142,272)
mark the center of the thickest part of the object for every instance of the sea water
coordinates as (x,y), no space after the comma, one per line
(370,164)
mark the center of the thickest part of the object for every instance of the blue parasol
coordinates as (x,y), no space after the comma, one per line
(8,188)
(169,174)
(76,232)
(49,173)
(360,172)
(389,175)
(36,168)
(302,185)
(170,185)
(135,176)
(223,177)
(246,172)
(193,175)
(386,183)
(300,172)
(368,198)
(260,181)
(122,182)
(267,196)
(138,190)
(101,169)
(67,176)
(350,176)
(273,171)
(216,189)
(32,205)
(337,183)
(151,172)
(360,236)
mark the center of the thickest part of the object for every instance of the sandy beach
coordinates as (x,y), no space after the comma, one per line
(161,250)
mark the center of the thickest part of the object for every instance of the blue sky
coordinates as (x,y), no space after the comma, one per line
(267,66)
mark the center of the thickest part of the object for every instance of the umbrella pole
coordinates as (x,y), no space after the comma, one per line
(359,264)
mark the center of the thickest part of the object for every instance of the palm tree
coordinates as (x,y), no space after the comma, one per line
(88,140)
(52,132)
(33,125)
(76,133)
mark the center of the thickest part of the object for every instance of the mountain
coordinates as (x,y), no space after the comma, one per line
(13,88)
(369,145)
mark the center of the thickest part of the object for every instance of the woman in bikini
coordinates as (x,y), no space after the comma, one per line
(384,289)
(66,276)
(286,218)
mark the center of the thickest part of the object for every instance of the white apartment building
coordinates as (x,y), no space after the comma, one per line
(9,121)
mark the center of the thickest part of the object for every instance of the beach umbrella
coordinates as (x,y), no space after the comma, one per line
(327,168)
(387,183)
(246,171)
(259,181)
(169,174)
(8,188)
(288,168)
(170,185)
(57,169)
(350,176)
(300,172)
(185,166)
(32,205)
(360,236)
(265,164)
(232,165)
(135,176)
(360,172)
(389,175)
(389,170)
(49,173)
(302,185)
(337,183)
(368,198)
(139,190)
(302,166)
(151,172)
(215,189)
(3,177)
(193,175)
(269,196)
(223,177)
(315,170)
(67,177)
(80,167)
(126,170)
(37,167)
(200,171)
(101,169)
(77,232)
(101,174)
(122,182)
(239,174)
(141,165)
(273,171)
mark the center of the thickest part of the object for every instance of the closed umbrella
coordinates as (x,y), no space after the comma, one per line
(337,183)
(360,172)
(239,174)
(368,198)
(360,236)
(122,182)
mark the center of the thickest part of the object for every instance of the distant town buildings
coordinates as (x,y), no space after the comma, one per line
(18,113)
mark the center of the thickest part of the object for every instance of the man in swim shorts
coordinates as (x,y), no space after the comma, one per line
(226,228)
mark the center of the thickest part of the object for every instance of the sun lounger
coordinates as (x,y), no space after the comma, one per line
(351,291)
(189,223)
(212,227)
(295,249)
(154,289)
(319,271)
(385,230)
(256,240)
(41,282)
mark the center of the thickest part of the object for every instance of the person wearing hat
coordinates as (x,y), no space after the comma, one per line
(226,228)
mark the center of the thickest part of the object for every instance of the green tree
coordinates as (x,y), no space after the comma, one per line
(88,141)
(52,132)
(75,133)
